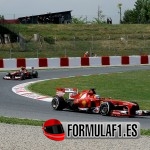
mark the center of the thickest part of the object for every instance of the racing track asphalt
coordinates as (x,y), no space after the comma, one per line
(13,105)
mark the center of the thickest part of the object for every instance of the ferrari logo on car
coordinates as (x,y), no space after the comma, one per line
(84,103)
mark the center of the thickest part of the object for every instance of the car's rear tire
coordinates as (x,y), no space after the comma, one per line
(106,108)
(30,76)
(58,103)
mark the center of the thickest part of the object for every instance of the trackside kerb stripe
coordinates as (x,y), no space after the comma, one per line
(22,90)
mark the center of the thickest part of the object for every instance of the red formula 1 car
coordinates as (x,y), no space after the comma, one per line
(22,74)
(89,101)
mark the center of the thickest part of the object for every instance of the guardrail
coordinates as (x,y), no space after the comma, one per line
(69,62)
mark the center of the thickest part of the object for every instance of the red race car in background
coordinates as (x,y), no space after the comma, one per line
(22,74)
(89,101)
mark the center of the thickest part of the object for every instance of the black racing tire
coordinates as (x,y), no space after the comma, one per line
(35,74)
(106,108)
(22,77)
(134,108)
(58,103)
(30,76)
(12,77)
(137,107)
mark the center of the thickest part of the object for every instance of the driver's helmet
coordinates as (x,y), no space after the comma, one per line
(22,68)
(92,91)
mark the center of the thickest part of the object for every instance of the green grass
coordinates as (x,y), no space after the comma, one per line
(130,86)
(64,31)
(73,40)
(145,132)
(11,120)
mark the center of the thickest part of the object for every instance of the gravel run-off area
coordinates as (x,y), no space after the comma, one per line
(22,137)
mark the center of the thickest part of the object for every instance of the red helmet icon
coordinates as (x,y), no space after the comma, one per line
(53,130)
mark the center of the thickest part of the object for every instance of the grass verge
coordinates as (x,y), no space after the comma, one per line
(10,120)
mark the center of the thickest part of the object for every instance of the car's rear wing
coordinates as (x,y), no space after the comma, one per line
(70,91)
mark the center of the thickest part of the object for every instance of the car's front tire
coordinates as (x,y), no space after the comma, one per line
(35,74)
(22,77)
(106,108)
(133,109)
